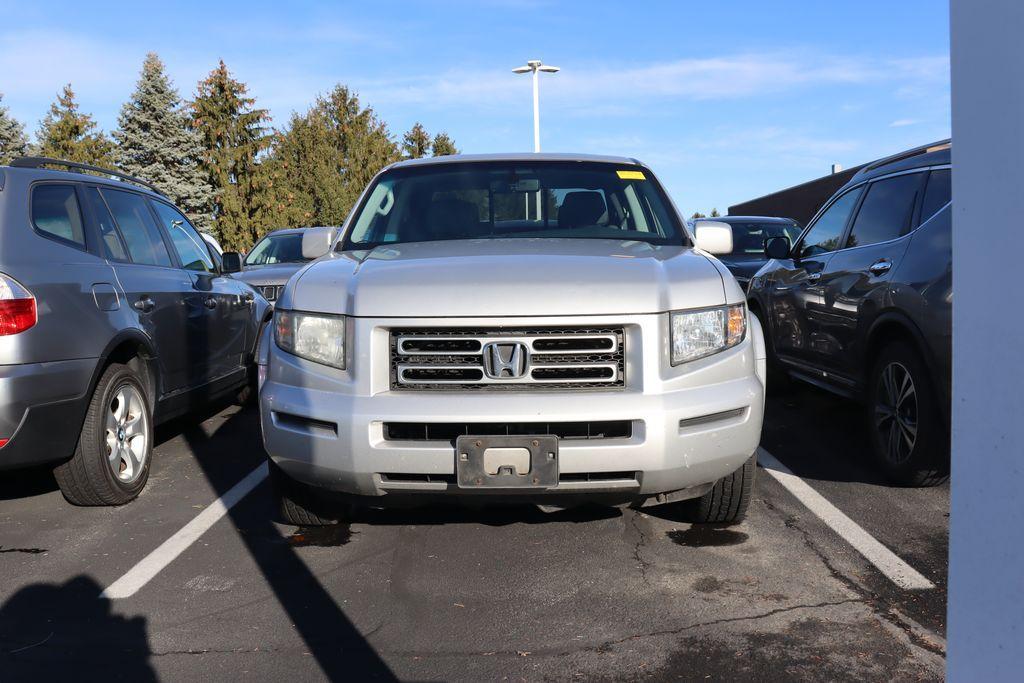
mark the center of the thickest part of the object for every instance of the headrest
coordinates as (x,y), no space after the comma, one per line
(580,208)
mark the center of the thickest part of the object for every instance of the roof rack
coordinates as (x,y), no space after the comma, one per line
(916,151)
(39,162)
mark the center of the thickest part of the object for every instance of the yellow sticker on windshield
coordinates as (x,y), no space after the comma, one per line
(631,175)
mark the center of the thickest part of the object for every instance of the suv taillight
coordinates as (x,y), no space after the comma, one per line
(17,307)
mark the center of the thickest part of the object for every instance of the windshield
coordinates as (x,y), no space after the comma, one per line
(748,238)
(286,248)
(585,200)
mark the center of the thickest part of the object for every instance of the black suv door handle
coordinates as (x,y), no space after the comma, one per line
(210,302)
(880,266)
(144,304)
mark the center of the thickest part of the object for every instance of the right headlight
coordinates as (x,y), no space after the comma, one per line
(700,333)
(313,336)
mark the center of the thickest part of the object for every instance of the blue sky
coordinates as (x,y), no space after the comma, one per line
(726,100)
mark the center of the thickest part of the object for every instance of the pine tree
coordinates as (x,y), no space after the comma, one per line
(156,141)
(443,145)
(714,213)
(233,134)
(13,142)
(328,155)
(67,134)
(697,214)
(416,143)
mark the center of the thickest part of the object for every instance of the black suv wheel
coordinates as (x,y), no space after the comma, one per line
(908,437)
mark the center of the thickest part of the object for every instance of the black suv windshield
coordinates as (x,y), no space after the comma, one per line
(284,248)
(452,201)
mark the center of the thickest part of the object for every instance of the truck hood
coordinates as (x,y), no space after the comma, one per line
(508,277)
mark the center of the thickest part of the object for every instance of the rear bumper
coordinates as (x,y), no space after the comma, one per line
(42,406)
(689,429)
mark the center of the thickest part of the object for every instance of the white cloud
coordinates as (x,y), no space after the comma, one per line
(900,123)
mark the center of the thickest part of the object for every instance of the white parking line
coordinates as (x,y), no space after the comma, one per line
(887,562)
(139,575)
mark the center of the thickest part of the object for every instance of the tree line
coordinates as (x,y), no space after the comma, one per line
(219,159)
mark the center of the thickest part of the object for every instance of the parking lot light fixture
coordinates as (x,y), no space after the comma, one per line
(534,66)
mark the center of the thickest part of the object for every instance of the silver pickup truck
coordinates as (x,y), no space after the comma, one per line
(533,327)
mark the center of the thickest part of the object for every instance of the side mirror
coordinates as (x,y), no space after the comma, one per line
(714,237)
(776,248)
(232,262)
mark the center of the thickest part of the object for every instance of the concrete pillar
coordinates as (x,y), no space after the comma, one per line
(986,582)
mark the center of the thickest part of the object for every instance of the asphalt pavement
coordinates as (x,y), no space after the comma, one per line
(474,594)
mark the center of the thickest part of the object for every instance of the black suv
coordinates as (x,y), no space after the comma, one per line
(861,304)
(114,316)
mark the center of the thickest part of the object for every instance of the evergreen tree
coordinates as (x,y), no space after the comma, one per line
(416,143)
(697,214)
(328,155)
(233,134)
(714,213)
(156,141)
(13,142)
(67,134)
(443,145)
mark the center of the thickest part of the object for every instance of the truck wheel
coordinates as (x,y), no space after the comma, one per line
(298,503)
(112,460)
(727,501)
(908,438)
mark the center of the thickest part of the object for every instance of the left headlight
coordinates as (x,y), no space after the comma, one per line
(700,333)
(313,336)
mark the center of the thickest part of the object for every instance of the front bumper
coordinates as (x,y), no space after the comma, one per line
(692,424)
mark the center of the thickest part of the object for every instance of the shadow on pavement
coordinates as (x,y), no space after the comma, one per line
(64,632)
(338,647)
(819,435)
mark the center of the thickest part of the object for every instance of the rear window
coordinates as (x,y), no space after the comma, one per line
(480,200)
(55,213)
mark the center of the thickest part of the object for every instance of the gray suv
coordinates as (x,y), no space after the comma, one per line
(113,317)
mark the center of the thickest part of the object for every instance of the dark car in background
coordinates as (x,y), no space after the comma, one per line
(114,317)
(749,234)
(861,305)
(278,256)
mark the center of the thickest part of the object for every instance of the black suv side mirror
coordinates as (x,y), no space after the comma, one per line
(232,262)
(774,248)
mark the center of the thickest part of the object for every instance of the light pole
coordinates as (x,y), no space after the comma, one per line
(533,66)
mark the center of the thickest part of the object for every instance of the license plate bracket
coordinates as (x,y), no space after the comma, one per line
(494,462)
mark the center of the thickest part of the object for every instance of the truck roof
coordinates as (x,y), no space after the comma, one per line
(525,157)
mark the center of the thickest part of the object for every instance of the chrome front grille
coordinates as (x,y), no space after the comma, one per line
(547,358)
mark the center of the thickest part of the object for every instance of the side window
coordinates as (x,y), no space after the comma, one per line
(140,232)
(824,235)
(938,193)
(189,244)
(55,212)
(886,211)
(108,231)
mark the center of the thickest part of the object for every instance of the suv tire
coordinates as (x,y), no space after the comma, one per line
(908,438)
(115,448)
(726,503)
(298,504)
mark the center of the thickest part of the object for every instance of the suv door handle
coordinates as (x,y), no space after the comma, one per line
(880,266)
(813,277)
(210,302)
(144,304)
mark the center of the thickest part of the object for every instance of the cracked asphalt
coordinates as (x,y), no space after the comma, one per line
(475,594)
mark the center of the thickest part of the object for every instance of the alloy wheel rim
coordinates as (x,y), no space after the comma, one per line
(127,434)
(896,412)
